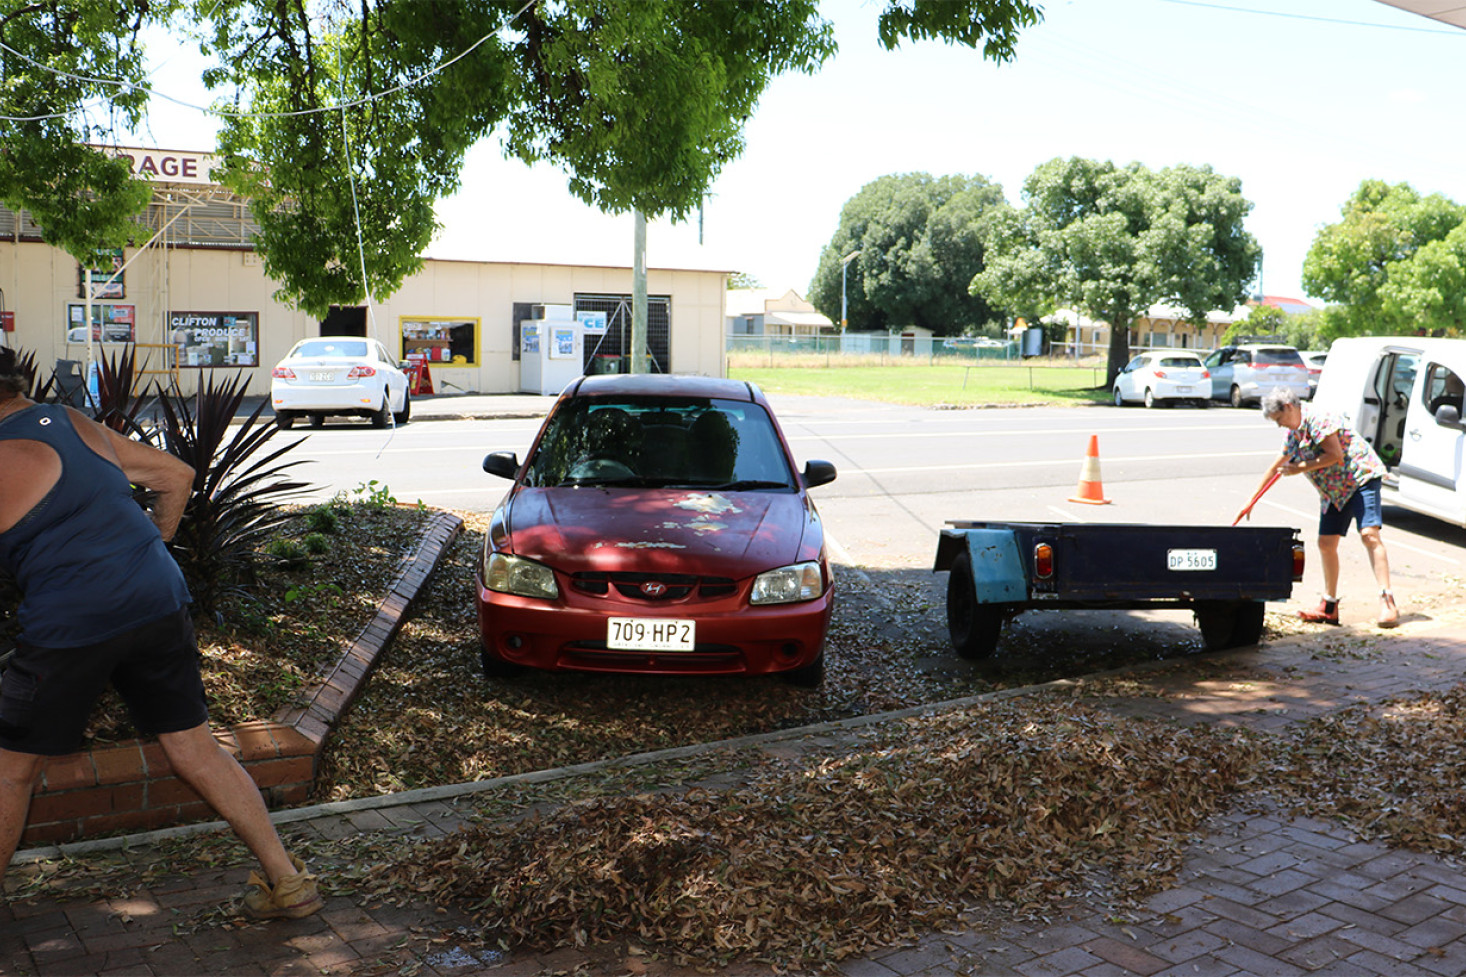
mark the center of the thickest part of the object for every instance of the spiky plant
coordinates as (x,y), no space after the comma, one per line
(237,497)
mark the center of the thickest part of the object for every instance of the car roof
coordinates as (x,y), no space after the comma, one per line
(663,385)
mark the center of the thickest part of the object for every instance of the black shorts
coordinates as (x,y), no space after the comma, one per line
(47,694)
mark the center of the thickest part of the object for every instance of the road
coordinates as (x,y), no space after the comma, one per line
(905,471)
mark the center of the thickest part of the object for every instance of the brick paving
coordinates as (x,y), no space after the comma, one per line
(1259,894)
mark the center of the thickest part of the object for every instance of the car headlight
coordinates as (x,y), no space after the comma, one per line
(787,585)
(523,578)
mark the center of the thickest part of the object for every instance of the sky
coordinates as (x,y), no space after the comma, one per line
(1299,99)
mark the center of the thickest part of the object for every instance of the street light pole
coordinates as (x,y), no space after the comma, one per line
(844,265)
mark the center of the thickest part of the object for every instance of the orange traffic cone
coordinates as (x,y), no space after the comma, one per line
(1090,490)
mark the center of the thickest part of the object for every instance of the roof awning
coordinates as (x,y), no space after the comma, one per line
(1451,12)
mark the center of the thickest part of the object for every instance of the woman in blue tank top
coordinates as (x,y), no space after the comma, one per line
(102,601)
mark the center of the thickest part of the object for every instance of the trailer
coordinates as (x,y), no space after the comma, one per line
(1223,574)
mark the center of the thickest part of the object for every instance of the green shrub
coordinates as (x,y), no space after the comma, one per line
(324,518)
(316,544)
(287,553)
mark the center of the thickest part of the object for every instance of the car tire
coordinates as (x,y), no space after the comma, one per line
(284,420)
(382,416)
(318,420)
(1203,404)
(810,676)
(974,627)
(496,667)
(403,416)
(1150,399)
(1119,400)
(1236,396)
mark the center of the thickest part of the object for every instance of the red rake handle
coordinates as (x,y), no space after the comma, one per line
(1266,485)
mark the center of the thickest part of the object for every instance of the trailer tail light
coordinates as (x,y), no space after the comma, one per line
(1043,561)
(1297,562)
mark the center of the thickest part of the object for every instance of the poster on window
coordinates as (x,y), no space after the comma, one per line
(445,342)
(206,339)
(110,323)
(104,285)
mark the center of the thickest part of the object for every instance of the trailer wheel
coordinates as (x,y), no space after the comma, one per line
(973,627)
(1230,624)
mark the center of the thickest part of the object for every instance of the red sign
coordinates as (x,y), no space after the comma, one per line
(7,321)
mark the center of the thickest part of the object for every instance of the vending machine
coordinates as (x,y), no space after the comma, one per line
(551,350)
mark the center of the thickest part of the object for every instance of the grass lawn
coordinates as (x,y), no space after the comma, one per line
(922,383)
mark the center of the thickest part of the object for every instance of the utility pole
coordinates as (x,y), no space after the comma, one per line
(638,295)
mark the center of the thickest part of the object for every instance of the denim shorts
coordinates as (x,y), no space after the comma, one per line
(47,694)
(1363,509)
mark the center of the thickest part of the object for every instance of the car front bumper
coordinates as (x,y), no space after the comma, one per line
(733,639)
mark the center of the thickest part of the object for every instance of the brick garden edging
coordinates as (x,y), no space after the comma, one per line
(131,786)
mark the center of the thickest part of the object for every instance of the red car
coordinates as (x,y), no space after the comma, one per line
(660,526)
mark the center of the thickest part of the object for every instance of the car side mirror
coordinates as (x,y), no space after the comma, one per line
(818,473)
(1449,415)
(404,365)
(505,464)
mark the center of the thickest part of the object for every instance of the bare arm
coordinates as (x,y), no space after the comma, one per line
(1332,454)
(144,465)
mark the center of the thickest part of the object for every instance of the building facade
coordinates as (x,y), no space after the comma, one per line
(192,298)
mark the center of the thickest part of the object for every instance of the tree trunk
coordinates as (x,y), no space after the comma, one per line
(1120,324)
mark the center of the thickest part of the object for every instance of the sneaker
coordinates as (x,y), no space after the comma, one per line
(1327,613)
(292,897)
(1389,614)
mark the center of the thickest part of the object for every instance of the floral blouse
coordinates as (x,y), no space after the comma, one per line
(1336,483)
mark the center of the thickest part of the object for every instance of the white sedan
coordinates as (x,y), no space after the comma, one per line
(343,376)
(1163,377)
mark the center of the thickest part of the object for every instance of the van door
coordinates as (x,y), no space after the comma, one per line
(1430,465)
(1384,414)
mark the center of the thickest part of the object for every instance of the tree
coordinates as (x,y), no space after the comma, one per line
(71,74)
(1110,242)
(1395,263)
(347,122)
(920,240)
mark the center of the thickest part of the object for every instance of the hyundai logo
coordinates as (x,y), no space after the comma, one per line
(652,588)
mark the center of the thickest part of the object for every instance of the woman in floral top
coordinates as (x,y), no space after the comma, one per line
(1347,474)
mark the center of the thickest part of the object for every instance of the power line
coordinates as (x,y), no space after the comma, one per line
(1322,20)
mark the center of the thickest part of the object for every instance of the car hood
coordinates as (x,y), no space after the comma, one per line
(727,534)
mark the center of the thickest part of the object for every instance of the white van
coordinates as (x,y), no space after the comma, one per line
(1404,395)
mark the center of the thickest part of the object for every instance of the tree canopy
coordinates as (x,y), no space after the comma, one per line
(1394,263)
(1109,242)
(920,240)
(356,117)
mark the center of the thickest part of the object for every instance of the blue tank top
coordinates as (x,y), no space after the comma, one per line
(89,561)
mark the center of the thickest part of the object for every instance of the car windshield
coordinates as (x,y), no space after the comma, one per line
(1276,356)
(659,442)
(341,349)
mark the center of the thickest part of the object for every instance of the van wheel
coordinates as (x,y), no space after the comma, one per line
(1230,624)
(1236,396)
(973,627)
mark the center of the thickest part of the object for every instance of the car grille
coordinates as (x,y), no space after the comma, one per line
(653,586)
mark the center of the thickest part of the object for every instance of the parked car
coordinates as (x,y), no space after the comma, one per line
(1163,377)
(340,376)
(1314,360)
(1243,373)
(658,525)
(112,332)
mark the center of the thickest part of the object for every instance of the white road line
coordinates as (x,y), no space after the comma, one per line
(1010,432)
(1065,514)
(977,466)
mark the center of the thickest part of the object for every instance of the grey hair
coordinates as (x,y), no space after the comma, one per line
(1277,400)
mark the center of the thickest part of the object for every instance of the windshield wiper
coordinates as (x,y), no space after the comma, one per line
(614,481)
(747,484)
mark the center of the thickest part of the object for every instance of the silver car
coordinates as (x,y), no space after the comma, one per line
(1242,374)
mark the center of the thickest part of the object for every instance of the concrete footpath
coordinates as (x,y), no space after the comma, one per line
(1258,893)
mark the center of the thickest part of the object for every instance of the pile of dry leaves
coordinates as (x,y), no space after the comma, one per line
(1392,771)
(1024,801)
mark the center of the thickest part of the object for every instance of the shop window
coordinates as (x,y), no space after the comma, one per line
(215,338)
(441,342)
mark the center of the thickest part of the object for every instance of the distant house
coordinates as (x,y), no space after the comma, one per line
(1165,326)
(769,312)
